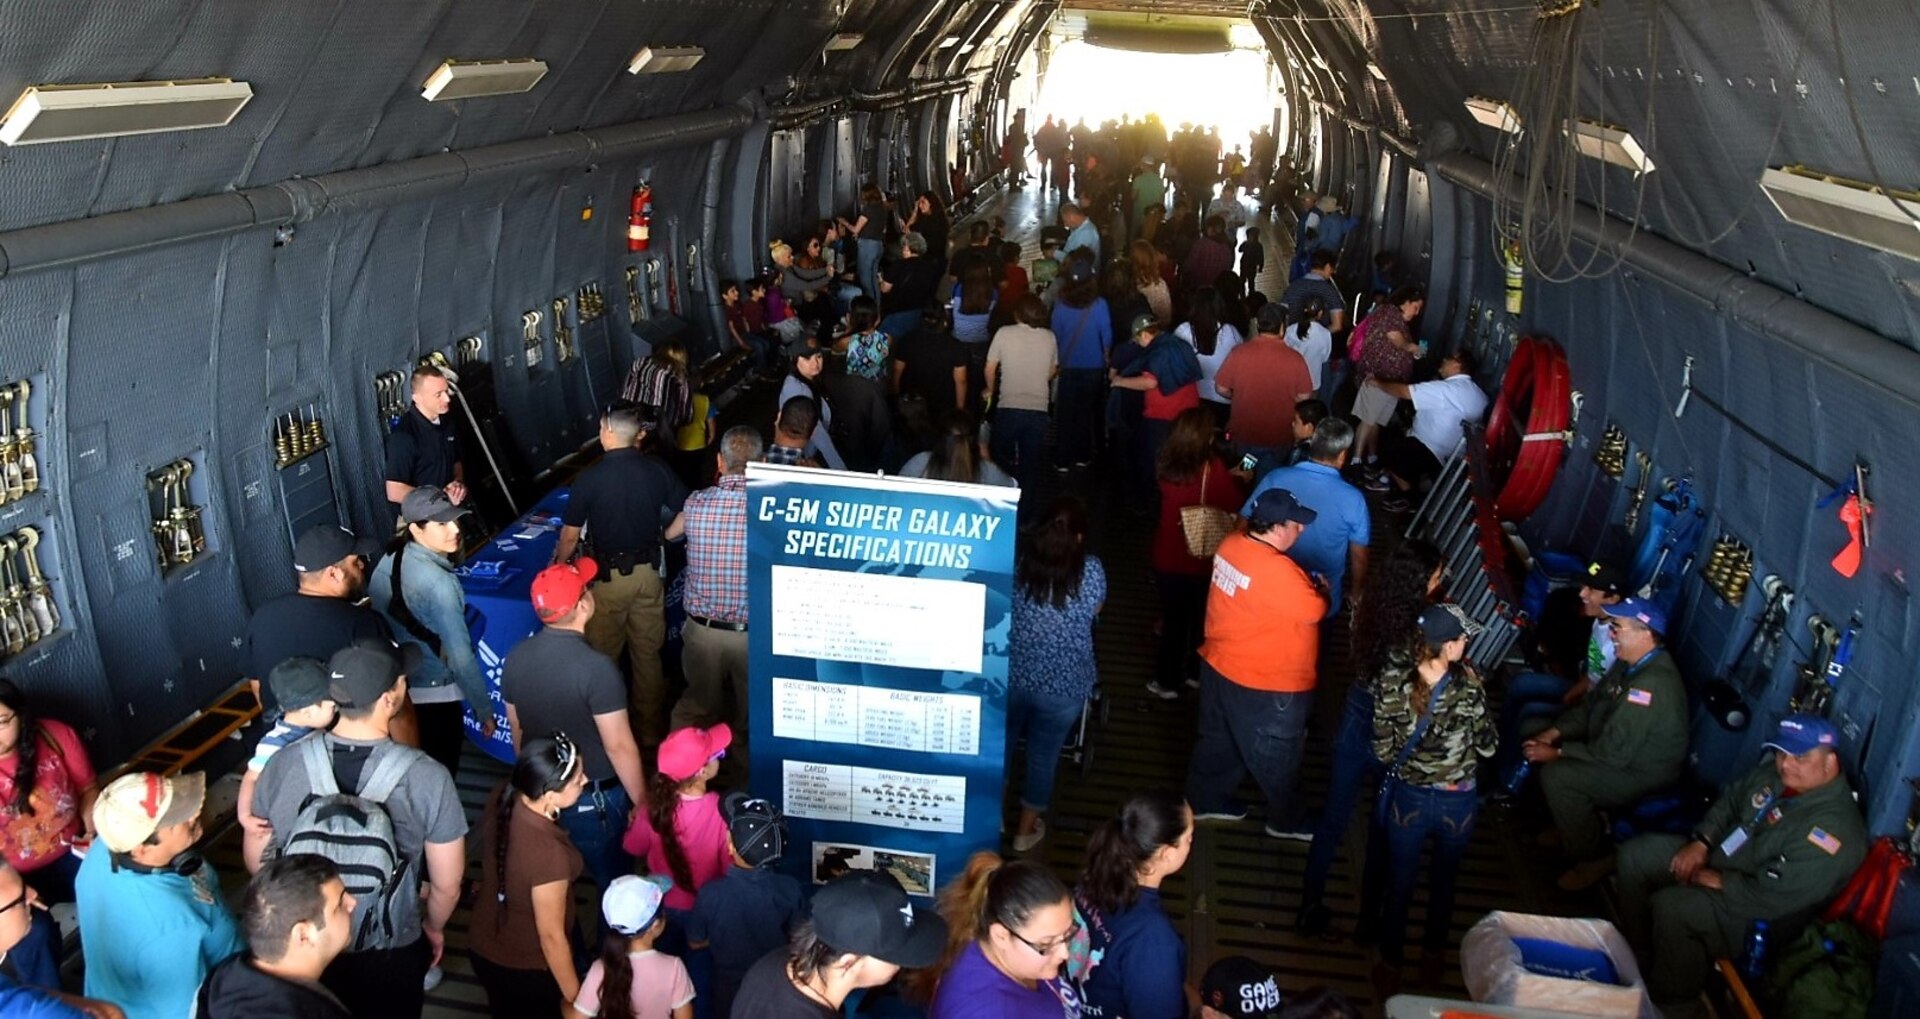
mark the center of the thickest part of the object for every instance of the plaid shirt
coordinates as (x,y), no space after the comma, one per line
(716,582)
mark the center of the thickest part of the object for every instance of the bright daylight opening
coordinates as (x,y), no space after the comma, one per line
(1229,90)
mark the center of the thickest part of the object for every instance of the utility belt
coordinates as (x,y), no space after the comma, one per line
(718,624)
(594,798)
(624,563)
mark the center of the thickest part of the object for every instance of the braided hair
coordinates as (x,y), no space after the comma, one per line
(546,765)
(663,804)
(26,769)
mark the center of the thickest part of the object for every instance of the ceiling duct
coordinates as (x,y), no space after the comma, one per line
(471,79)
(1848,209)
(59,113)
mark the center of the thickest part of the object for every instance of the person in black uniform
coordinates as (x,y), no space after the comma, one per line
(424,449)
(626,502)
(323,614)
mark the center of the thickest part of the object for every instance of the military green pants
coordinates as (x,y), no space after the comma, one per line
(1576,793)
(1678,930)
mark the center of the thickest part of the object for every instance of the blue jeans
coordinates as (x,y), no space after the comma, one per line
(1045,719)
(900,324)
(1018,436)
(1529,695)
(867,265)
(595,826)
(1354,769)
(1410,815)
(1336,373)
(1241,730)
(1079,404)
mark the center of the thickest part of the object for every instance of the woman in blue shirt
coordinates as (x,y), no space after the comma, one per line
(1142,968)
(1084,331)
(1059,589)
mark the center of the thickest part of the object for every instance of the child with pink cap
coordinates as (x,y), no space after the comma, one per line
(681,833)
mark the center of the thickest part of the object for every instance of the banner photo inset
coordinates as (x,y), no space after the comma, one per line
(881,610)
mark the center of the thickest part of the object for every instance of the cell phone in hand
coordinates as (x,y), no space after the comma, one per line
(1247,462)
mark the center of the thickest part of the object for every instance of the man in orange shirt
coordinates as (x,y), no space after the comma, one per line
(1258,668)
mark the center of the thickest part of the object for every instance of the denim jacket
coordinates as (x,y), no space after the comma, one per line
(437,601)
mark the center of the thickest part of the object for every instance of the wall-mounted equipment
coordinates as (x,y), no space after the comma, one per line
(665,59)
(177,532)
(843,41)
(1609,143)
(591,302)
(27,611)
(1729,569)
(61,113)
(1494,113)
(469,79)
(530,331)
(563,350)
(1848,209)
(467,351)
(19,467)
(391,397)
(296,436)
(636,308)
(640,219)
(1610,453)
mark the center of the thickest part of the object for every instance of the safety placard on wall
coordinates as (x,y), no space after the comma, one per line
(880,616)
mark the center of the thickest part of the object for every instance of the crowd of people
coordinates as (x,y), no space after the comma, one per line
(891,349)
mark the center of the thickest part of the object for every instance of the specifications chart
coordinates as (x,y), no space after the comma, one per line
(934,723)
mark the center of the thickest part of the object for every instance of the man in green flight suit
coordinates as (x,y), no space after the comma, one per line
(1776,846)
(1626,739)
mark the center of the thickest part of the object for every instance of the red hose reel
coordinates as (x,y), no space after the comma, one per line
(1528,430)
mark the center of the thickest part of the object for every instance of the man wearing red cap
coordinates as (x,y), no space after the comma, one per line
(555,680)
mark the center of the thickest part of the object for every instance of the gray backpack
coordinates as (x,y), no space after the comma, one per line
(355,831)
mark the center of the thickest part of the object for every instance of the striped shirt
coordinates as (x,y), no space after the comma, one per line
(716,581)
(277,739)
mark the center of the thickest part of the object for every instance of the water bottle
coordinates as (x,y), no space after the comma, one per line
(1517,778)
(1754,963)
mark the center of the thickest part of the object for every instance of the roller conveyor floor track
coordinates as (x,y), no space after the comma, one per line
(1239,890)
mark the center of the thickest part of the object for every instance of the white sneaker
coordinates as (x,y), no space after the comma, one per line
(1154,689)
(433,979)
(1022,843)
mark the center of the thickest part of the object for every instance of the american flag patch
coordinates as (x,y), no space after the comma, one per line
(1635,695)
(1820,838)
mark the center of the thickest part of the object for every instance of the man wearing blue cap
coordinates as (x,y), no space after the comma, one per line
(1776,847)
(1626,739)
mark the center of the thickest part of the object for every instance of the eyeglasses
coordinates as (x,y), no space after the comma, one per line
(1052,944)
(19,900)
(717,755)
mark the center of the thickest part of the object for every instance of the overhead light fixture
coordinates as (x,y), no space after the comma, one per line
(1242,36)
(1848,209)
(1608,143)
(665,59)
(844,41)
(1374,69)
(61,113)
(1494,113)
(469,79)
(949,42)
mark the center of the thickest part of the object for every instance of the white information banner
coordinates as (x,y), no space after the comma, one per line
(878,619)
(892,799)
(933,723)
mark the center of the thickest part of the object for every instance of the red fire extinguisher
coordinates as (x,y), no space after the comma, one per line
(641,222)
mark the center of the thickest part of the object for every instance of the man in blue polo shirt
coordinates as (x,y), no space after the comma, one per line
(1336,542)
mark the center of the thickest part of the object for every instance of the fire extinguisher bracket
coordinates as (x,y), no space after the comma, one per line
(640,220)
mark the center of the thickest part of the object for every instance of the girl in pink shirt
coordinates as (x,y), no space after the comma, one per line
(682,833)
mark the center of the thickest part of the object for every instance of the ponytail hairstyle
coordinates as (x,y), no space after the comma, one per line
(990,891)
(1118,849)
(663,806)
(26,747)
(1203,320)
(1311,308)
(545,766)
(956,450)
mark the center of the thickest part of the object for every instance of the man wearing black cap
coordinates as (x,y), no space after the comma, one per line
(864,930)
(1237,987)
(627,500)
(1258,668)
(322,615)
(382,973)
(1776,847)
(752,909)
(416,589)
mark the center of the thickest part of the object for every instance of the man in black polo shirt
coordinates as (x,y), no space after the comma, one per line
(424,449)
(324,614)
(626,501)
(556,680)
